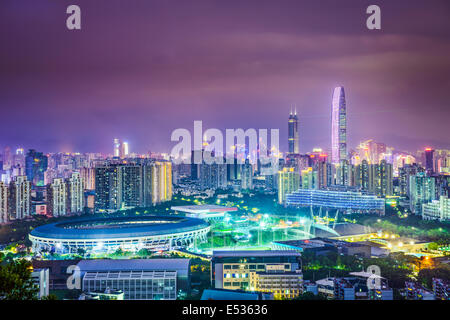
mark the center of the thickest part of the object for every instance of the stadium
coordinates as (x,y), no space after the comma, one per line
(106,235)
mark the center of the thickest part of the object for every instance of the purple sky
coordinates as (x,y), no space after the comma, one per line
(139,69)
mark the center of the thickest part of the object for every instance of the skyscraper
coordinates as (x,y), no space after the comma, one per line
(338,126)
(36,164)
(124,150)
(293,133)
(247,176)
(116,144)
(429,162)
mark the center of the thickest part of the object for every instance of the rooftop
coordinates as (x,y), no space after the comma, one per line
(134,265)
(204,208)
(256,253)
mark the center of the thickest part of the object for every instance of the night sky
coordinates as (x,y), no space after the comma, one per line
(139,69)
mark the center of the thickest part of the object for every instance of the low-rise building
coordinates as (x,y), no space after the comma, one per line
(437,209)
(232,269)
(283,285)
(139,279)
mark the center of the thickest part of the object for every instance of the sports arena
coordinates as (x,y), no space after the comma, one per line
(106,235)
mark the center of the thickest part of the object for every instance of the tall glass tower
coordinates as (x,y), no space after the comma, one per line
(338,126)
(293,133)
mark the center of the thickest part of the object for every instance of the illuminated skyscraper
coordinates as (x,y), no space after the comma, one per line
(35,165)
(293,133)
(124,151)
(116,147)
(338,126)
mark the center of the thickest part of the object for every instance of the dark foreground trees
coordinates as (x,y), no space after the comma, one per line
(15,280)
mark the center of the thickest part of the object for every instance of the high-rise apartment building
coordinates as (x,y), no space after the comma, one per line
(422,190)
(19,201)
(3,202)
(57,198)
(108,187)
(246,176)
(288,182)
(75,193)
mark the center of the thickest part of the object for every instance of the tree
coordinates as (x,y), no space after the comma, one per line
(310,296)
(16,282)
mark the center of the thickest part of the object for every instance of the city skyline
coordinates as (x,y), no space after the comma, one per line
(243,72)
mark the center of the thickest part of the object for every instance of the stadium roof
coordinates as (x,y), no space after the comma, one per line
(344,229)
(118,227)
(204,208)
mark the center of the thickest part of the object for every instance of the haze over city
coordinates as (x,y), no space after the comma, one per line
(141,70)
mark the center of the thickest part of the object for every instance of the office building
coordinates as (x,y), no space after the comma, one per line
(36,164)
